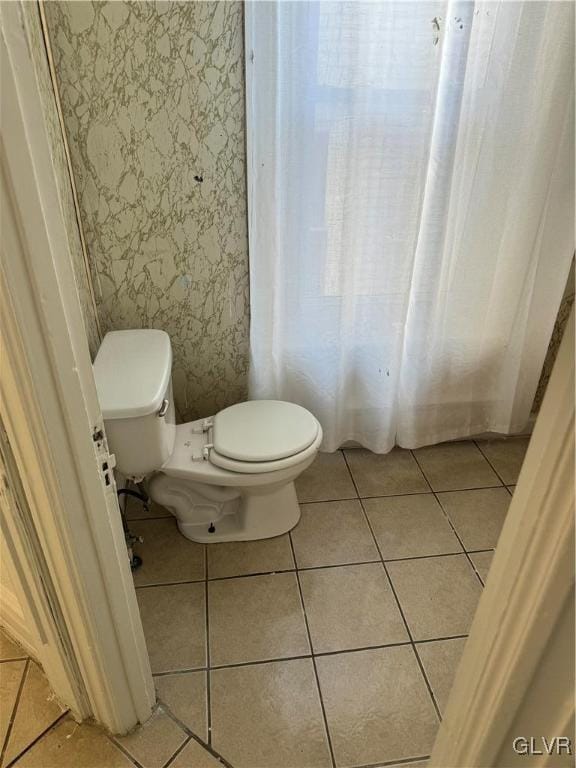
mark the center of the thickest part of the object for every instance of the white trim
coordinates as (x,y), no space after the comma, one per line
(48,638)
(523,605)
(50,409)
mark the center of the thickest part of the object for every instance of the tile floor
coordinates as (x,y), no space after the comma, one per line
(334,645)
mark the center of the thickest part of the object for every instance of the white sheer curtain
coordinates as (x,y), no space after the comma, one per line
(410,211)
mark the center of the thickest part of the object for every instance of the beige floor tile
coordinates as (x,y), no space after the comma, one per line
(386,474)
(416,764)
(9,649)
(167,556)
(506,456)
(10,677)
(154,743)
(440,660)
(477,516)
(185,696)
(326,479)
(239,558)
(456,466)
(256,618)
(351,607)
(195,756)
(269,715)
(174,620)
(438,595)
(482,562)
(333,533)
(135,510)
(37,710)
(69,745)
(377,706)
(410,526)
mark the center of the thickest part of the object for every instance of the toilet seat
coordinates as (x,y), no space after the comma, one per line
(195,459)
(262,467)
(262,431)
(261,436)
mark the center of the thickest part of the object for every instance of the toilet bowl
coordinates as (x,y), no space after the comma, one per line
(226,478)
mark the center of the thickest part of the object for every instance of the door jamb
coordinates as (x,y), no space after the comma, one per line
(50,411)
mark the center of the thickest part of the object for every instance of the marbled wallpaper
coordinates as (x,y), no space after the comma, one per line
(153,101)
(60,164)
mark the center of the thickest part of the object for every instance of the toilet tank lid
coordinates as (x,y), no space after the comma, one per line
(132,371)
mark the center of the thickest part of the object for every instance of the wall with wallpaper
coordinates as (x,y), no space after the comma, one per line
(153,102)
(61,172)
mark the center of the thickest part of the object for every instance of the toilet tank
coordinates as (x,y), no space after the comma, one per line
(134,383)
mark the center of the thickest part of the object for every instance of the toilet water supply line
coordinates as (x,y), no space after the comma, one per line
(131,539)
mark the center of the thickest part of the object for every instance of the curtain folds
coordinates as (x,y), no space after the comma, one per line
(410,211)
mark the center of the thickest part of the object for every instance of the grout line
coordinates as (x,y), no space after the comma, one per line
(465,551)
(489,463)
(205,746)
(309,568)
(477,551)
(181,748)
(38,738)
(18,658)
(180,671)
(427,493)
(440,639)
(313,654)
(144,519)
(208,692)
(421,557)
(191,737)
(401,495)
(328,501)
(169,583)
(163,707)
(256,573)
(413,644)
(331,749)
(455,490)
(124,751)
(14,710)
(430,691)
(402,761)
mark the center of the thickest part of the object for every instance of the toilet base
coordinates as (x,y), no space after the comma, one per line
(247,515)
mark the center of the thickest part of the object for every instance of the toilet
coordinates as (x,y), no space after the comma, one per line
(229,477)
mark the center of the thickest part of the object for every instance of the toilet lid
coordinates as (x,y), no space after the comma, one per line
(263,430)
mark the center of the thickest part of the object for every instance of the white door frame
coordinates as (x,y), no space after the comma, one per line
(66,533)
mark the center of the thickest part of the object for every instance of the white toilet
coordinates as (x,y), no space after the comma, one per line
(226,478)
